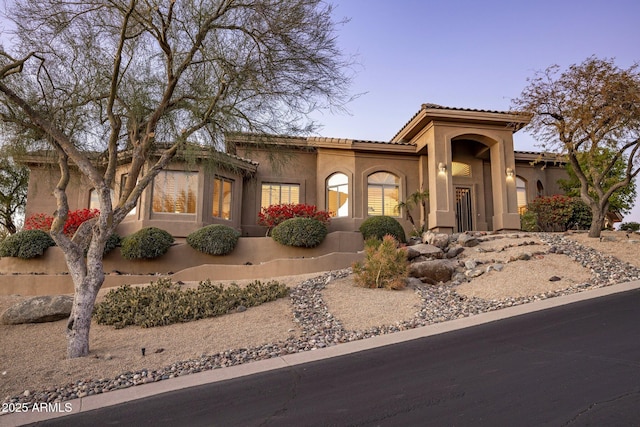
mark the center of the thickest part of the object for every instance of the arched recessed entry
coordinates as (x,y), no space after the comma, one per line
(540,188)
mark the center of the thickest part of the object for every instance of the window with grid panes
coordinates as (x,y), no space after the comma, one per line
(175,192)
(279,194)
(222,198)
(383,191)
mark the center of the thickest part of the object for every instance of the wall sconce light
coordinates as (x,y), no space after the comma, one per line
(509,173)
(442,168)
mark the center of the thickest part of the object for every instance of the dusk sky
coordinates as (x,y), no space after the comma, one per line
(468,54)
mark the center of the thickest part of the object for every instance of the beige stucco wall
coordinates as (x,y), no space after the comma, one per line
(42,182)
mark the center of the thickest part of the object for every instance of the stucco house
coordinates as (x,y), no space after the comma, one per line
(465,159)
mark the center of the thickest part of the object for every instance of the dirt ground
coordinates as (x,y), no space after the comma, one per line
(33,357)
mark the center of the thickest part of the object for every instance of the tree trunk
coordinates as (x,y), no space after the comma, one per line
(596,222)
(88,277)
(79,322)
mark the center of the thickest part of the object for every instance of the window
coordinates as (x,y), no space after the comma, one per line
(175,192)
(94,202)
(277,194)
(383,190)
(460,169)
(338,195)
(123,182)
(521,189)
(221,198)
(540,189)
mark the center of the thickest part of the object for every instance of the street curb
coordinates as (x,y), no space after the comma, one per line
(147,390)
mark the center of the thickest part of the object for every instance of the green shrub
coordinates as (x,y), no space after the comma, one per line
(580,215)
(380,226)
(560,213)
(214,239)
(385,266)
(148,243)
(26,244)
(164,303)
(300,232)
(529,221)
(630,226)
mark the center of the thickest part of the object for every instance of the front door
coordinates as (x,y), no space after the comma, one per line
(464,217)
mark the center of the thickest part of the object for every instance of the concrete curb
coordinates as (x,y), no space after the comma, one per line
(147,390)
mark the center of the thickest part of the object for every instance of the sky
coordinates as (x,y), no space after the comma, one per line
(467,54)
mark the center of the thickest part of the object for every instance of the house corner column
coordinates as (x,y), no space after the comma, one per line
(441,203)
(505,203)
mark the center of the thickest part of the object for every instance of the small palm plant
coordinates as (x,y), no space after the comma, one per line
(417,198)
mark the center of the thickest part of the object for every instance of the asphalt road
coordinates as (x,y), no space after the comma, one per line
(574,365)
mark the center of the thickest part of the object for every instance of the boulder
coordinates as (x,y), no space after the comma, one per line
(427,251)
(439,240)
(432,271)
(38,310)
(468,241)
(454,251)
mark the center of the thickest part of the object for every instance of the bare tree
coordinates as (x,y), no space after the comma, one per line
(150,76)
(590,108)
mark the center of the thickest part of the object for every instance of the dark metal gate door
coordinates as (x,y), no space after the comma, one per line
(464,219)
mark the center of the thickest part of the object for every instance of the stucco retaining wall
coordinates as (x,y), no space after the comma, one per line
(254,257)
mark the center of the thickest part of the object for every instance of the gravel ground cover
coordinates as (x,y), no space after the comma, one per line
(322,310)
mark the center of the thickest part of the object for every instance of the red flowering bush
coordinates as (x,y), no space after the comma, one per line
(43,222)
(559,213)
(275,214)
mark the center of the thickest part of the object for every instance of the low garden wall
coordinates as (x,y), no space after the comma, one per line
(253,257)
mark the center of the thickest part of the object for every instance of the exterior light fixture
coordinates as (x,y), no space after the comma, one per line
(442,168)
(509,173)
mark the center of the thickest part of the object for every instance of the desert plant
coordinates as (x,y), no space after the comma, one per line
(300,232)
(26,244)
(147,243)
(630,226)
(217,239)
(164,303)
(380,226)
(385,265)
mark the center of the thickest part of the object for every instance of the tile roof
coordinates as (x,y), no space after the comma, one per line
(430,106)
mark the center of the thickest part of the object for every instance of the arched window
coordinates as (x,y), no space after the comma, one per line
(540,189)
(521,189)
(338,195)
(383,191)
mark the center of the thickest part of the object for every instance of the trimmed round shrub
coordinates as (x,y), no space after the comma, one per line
(379,226)
(148,243)
(300,232)
(26,244)
(217,239)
